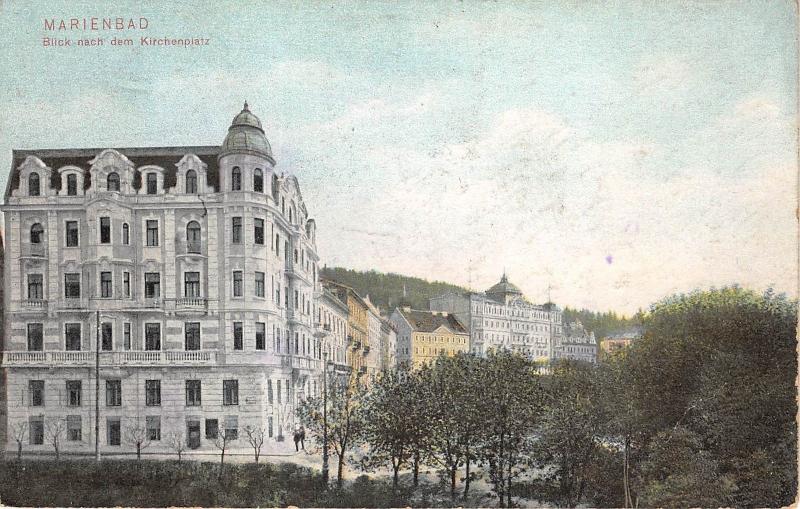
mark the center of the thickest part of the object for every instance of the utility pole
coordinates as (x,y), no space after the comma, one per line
(97,389)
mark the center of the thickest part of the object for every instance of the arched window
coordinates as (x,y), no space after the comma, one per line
(258,181)
(126,234)
(191,182)
(275,187)
(236,179)
(112,181)
(193,237)
(37,233)
(33,184)
(72,185)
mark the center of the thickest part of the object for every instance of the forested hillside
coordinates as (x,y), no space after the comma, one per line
(603,324)
(386,290)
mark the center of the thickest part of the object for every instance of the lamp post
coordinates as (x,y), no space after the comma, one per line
(325,416)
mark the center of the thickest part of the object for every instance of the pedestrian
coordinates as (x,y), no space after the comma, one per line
(302,433)
(297,440)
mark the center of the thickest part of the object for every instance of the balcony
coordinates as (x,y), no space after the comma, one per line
(366,349)
(356,345)
(187,304)
(33,304)
(128,358)
(190,248)
(34,250)
(294,362)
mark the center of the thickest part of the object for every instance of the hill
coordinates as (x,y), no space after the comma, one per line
(386,290)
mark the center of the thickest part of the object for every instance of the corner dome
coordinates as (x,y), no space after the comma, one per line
(504,287)
(245,135)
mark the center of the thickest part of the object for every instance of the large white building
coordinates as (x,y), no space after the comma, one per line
(196,270)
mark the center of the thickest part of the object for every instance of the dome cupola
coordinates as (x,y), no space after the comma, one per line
(503,289)
(245,135)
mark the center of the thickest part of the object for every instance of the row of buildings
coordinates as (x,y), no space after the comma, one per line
(176,292)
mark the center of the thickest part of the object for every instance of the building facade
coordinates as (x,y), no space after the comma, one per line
(502,318)
(424,335)
(357,327)
(577,344)
(333,316)
(190,272)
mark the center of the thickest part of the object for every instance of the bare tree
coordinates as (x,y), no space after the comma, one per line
(136,434)
(177,442)
(54,431)
(223,438)
(19,431)
(255,435)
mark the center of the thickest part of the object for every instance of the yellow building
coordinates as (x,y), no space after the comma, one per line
(424,335)
(357,326)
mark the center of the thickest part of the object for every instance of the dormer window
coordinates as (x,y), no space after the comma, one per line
(37,233)
(112,181)
(191,182)
(152,183)
(72,185)
(236,179)
(33,185)
(258,181)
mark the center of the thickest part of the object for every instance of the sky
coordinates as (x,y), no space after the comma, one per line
(609,153)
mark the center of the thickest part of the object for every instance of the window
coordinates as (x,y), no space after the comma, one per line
(258,180)
(193,392)
(269,426)
(72,185)
(269,391)
(74,428)
(191,182)
(277,245)
(126,234)
(259,231)
(113,431)
(192,332)
(107,336)
(230,392)
(35,287)
(236,179)
(193,237)
(152,232)
(260,284)
(152,336)
(279,392)
(237,335)
(275,187)
(191,284)
(72,233)
(232,427)
(126,284)
(36,392)
(152,392)
(36,430)
(112,181)
(74,392)
(72,336)
(261,336)
(35,337)
(37,233)
(152,183)
(236,236)
(33,184)
(113,392)
(105,285)
(126,336)
(152,285)
(212,428)
(237,283)
(105,230)
(72,286)
(153,426)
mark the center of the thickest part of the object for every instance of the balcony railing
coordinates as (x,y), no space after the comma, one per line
(190,247)
(34,303)
(295,362)
(191,302)
(87,358)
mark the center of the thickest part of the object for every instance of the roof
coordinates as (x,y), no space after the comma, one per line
(165,157)
(504,287)
(428,321)
(246,135)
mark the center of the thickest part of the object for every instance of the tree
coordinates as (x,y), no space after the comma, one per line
(19,432)
(177,442)
(137,435)
(345,421)
(388,422)
(54,431)
(221,441)
(255,436)
(510,403)
(569,433)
